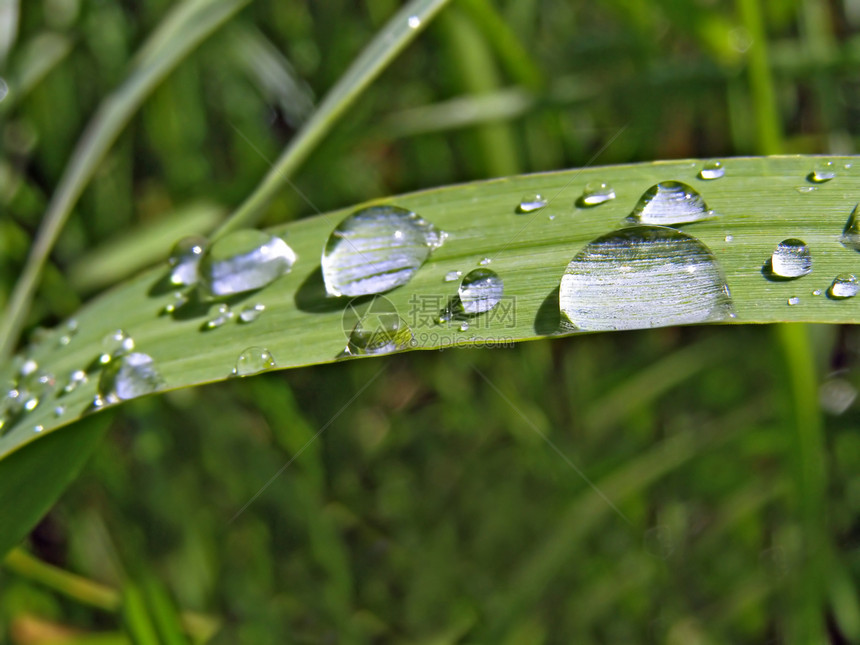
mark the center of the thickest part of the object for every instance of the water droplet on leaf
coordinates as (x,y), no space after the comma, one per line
(243,261)
(377,328)
(640,277)
(250,313)
(414,22)
(595,193)
(377,249)
(531,203)
(730,238)
(485,262)
(223,314)
(480,291)
(669,203)
(822,172)
(791,259)
(851,233)
(451,276)
(844,285)
(806,189)
(794,300)
(185,258)
(76,379)
(128,377)
(712,170)
(253,360)
(116,344)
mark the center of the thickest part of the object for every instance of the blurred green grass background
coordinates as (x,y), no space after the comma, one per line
(442,503)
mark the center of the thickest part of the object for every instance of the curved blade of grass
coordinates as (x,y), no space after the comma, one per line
(758,205)
(386,45)
(183,29)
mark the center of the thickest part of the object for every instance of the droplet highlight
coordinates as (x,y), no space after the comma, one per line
(377,249)
(640,277)
(531,203)
(791,259)
(594,194)
(669,203)
(712,169)
(244,261)
(250,313)
(185,258)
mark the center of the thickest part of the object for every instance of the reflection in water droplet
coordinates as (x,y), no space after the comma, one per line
(253,360)
(712,170)
(844,285)
(378,329)
(823,171)
(669,203)
(250,313)
(794,300)
(131,376)
(485,262)
(643,276)
(851,233)
(451,276)
(806,189)
(480,291)
(184,259)
(530,203)
(377,249)
(595,193)
(791,259)
(243,261)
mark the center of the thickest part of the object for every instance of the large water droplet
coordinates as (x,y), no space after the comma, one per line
(185,258)
(844,285)
(643,276)
(131,376)
(375,328)
(669,203)
(480,291)
(595,193)
(791,259)
(531,203)
(851,233)
(712,170)
(823,171)
(243,261)
(253,360)
(375,250)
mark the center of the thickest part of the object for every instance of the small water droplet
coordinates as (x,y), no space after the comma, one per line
(850,237)
(451,276)
(253,360)
(128,377)
(712,170)
(480,291)
(71,328)
(377,249)
(243,261)
(531,203)
(250,313)
(185,258)
(669,203)
(28,367)
(551,217)
(806,189)
(816,292)
(38,428)
(794,300)
(116,344)
(31,403)
(223,314)
(464,326)
(76,379)
(844,285)
(595,193)
(485,262)
(59,411)
(640,277)
(791,259)
(98,402)
(179,300)
(822,172)
(414,22)
(730,238)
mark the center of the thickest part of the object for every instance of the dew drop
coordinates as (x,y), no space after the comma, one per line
(131,376)
(551,217)
(243,261)
(531,203)
(76,379)
(669,203)
(451,276)
(253,360)
(464,326)
(116,344)
(640,277)
(595,193)
(414,22)
(712,170)
(179,300)
(378,329)
(223,314)
(794,300)
(822,172)
(850,237)
(806,189)
(185,258)
(485,262)
(816,292)
(480,291)
(38,428)
(31,403)
(791,259)
(250,313)
(377,249)
(28,367)
(59,411)
(730,238)
(844,285)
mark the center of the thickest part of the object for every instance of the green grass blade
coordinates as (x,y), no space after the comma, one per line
(757,201)
(180,33)
(384,48)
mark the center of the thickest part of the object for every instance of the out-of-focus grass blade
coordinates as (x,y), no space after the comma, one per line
(33,61)
(136,618)
(183,29)
(138,248)
(163,612)
(390,41)
(9,11)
